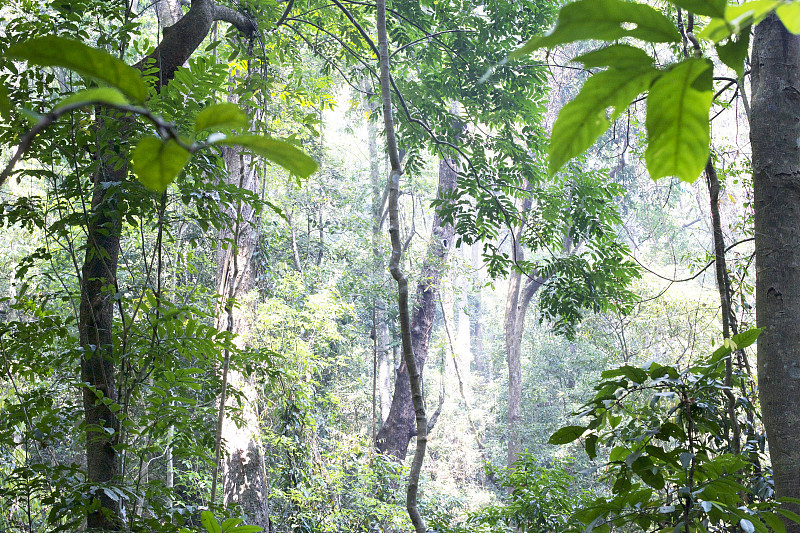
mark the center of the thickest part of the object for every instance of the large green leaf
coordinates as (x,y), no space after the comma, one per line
(566,434)
(734,51)
(677,121)
(52,51)
(286,155)
(585,118)
(5,103)
(738,18)
(605,20)
(209,523)
(100,95)
(225,115)
(710,8)
(790,16)
(621,56)
(157,163)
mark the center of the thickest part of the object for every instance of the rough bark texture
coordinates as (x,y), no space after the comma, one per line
(520,291)
(774,134)
(399,427)
(99,272)
(244,477)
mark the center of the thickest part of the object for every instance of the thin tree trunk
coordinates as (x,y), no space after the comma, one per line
(774,130)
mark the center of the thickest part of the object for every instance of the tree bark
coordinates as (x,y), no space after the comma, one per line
(520,292)
(774,133)
(99,271)
(244,478)
(399,427)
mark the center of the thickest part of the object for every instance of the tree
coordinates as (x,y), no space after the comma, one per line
(678,104)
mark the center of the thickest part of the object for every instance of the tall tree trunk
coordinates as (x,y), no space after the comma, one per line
(244,478)
(399,427)
(483,363)
(520,291)
(383,363)
(774,131)
(99,272)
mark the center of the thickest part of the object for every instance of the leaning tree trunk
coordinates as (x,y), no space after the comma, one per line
(400,426)
(774,134)
(244,477)
(99,272)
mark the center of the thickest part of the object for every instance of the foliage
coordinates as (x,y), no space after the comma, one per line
(671,455)
(680,95)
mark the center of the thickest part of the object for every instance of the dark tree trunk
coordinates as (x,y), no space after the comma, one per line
(400,425)
(774,134)
(99,272)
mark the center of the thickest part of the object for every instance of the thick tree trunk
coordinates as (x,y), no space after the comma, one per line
(774,134)
(400,427)
(99,272)
(244,477)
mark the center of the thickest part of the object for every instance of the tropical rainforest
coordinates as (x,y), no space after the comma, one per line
(458,266)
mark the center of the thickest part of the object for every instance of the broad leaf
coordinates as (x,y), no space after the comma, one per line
(605,20)
(773,521)
(5,103)
(621,56)
(738,18)
(209,522)
(585,118)
(246,529)
(709,8)
(790,16)
(566,434)
(225,115)
(734,52)
(286,155)
(157,163)
(52,51)
(677,121)
(99,95)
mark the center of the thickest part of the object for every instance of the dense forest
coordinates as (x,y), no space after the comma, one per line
(400,266)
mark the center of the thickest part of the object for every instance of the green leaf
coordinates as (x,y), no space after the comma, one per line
(738,18)
(773,521)
(637,375)
(225,115)
(566,434)
(677,121)
(794,517)
(591,446)
(228,523)
(246,529)
(585,118)
(52,51)
(5,103)
(709,8)
(209,522)
(100,95)
(157,163)
(605,20)
(790,16)
(747,526)
(286,155)
(621,56)
(734,52)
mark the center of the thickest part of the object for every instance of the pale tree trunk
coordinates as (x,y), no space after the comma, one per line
(520,291)
(399,427)
(774,134)
(483,363)
(382,363)
(462,334)
(244,478)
